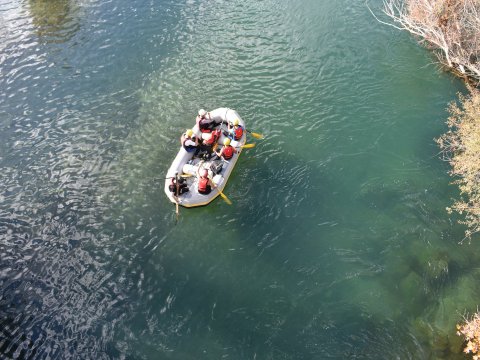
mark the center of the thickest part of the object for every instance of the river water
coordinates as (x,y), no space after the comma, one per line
(337,245)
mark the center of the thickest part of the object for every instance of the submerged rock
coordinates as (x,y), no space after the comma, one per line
(442,344)
(412,291)
(437,267)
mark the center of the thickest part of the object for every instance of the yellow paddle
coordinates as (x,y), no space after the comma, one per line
(247,146)
(224,197)
(255,135)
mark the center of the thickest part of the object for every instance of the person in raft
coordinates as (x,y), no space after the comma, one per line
(205,122)
(211,139)
(189,141)
(235,130)
(177,185)
(204,182)
(227,150)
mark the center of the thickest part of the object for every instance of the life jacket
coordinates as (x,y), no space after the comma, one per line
(189,148)
(203,185)
(214,138)
(237,132)
(227,152)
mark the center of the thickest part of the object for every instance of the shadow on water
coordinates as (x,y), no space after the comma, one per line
(381,259)
(55,21)
(254,287)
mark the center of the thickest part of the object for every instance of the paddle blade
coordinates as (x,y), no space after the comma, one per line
(256,135)
(248,146)
(224,197)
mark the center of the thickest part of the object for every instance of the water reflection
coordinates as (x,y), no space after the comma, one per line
(54,20)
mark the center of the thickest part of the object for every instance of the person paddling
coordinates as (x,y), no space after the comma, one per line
(177,185)
(204,121)
(204,183)
(189,141)
(235,130)
(227,150)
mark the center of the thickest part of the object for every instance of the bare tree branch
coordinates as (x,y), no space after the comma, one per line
(450,27)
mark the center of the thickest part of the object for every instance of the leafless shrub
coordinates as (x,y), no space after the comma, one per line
(450,27)
(461,148)
(470,330)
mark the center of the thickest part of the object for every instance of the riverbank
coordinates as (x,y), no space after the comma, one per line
(451,29)
(461,148)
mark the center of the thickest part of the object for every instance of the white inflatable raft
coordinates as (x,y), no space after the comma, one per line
(188,164)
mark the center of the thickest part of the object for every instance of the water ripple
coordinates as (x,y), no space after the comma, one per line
(94,262)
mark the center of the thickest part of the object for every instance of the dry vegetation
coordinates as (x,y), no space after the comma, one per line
(451,28)
(470,330)
(461,147)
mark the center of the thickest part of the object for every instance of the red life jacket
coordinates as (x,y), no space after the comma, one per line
(238,132)
(203,184)
(213,139)
(227,152)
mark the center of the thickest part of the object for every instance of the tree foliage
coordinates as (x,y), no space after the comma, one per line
(461,148)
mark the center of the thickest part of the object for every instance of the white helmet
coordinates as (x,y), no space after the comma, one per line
(202,112)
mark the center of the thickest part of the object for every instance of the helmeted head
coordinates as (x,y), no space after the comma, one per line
(226,142)
(202,112)
(189,133)
(205,173)
(235,122)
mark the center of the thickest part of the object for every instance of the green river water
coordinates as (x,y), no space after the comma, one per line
(337,245)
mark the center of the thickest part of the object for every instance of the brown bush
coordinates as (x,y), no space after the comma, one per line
(470,330)
(461,148)
(450,27)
